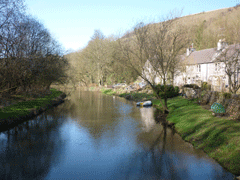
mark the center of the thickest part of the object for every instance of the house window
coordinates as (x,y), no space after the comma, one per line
(217,67)
(199,68)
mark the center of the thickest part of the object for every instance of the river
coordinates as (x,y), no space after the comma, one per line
(95,136)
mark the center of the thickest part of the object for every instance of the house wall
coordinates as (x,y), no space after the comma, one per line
(217,78)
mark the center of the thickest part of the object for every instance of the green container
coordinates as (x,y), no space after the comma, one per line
(218,108)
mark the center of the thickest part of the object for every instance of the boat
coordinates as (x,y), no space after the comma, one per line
(144,104)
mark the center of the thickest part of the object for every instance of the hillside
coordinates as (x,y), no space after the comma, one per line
(102,62)
(206,28)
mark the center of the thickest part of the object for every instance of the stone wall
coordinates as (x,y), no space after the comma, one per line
(231,103)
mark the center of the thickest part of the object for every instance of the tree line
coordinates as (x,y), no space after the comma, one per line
(30,58)
(99,62)
(102,60)
(150,50)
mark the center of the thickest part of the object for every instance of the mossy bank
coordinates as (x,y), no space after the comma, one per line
(15,114)
(219,137)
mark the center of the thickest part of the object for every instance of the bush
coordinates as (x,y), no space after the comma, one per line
(204,86)
(176,88)
(170,91)
(194,86)
(203,93)
(227,95)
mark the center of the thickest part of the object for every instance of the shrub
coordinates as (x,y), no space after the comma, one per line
(194,86)
(204,86)
(170,91)
(209,87)
(203,93)
(227,95)
(176,88)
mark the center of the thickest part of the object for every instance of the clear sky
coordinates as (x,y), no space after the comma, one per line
(72,22)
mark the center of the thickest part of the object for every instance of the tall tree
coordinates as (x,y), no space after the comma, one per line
(154,49)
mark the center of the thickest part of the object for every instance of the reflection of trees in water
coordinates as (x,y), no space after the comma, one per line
(165,153)
(156,161)
(93,111)
(28,148)
(147,117)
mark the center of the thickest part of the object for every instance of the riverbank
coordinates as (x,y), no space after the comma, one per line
(219,137)
(23,110)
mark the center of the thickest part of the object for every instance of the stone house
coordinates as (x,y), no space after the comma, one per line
(207,66)
(201,66)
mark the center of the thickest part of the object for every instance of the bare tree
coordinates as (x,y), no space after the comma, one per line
(230,56)
(153,50)
(30,59)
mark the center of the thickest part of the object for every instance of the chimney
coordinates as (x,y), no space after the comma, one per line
(219,45)
(188,52)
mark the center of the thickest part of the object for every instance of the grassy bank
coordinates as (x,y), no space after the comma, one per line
(135,96)
(23,108)
(219,137)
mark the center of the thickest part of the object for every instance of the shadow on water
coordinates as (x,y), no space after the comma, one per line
(94,136)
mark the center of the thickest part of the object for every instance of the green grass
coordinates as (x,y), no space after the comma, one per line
(22,108)
(138,96)
(108,91)
(218,137)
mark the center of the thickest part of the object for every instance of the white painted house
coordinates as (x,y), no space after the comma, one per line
(202,66)
(205,66)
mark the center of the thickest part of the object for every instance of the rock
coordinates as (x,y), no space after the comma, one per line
(150,91)
(235,96)
(198,93)
(226,103)
(129,97)
(238,178)
(189,93)
(221,99)
(214,97)
(218,108)
(233,108)
(206,97)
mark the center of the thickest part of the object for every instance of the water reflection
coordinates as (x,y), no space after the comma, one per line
(27,150)
(147,118)
(93,136)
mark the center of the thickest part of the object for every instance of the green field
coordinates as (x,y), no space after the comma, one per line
(22,108)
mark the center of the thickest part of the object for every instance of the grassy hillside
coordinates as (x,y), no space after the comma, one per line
(206,28)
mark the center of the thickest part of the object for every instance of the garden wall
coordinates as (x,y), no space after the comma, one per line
(231,102)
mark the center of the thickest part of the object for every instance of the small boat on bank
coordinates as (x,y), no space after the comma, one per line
(144,104)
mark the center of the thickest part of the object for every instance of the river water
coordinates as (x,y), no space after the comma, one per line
(94,136)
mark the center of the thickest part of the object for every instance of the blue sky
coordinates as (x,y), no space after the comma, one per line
(72,22)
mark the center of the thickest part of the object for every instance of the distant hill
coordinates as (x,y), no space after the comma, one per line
(206,28)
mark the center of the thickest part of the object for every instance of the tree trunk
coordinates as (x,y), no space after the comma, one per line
(230,84)
(160,99)
(172,78)
(165,96)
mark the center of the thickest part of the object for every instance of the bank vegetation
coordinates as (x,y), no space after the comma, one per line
(30,58)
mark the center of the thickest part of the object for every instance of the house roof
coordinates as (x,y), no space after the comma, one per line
(201,57)
(209,55)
